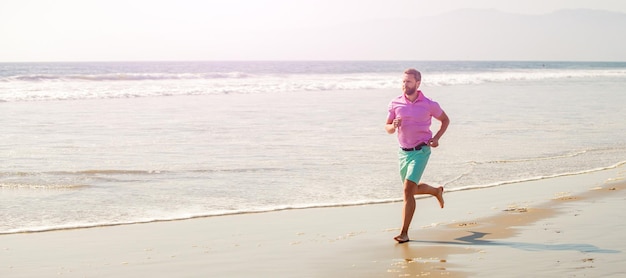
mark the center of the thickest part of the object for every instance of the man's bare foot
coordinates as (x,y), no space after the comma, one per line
(440,196)
(401,238)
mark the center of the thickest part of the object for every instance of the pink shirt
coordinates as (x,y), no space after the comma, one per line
(416,118)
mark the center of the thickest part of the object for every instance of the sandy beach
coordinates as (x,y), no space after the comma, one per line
(559,227)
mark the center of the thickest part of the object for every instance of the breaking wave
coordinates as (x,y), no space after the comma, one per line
(46,87)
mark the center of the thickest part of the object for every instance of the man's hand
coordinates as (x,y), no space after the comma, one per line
(397,122)
(433,142)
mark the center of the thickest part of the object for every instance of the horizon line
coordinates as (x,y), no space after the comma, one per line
(313,60)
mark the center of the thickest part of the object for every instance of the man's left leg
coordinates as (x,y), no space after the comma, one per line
(410,190)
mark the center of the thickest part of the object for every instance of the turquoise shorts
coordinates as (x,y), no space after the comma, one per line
(413,163)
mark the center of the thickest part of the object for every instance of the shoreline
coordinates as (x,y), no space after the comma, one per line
(553,226)
(361,203)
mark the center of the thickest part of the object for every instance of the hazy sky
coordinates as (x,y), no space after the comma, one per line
(114,30)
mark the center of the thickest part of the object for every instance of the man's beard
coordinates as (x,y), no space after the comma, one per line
(410,91)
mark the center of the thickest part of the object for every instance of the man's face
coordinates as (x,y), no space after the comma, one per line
(409,84)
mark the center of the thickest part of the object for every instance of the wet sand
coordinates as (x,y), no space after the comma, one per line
(559,227)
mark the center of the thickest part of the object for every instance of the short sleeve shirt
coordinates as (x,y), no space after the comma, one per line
(416,118)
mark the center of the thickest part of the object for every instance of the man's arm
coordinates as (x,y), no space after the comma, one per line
(445,121)
(390,127)
(392,124)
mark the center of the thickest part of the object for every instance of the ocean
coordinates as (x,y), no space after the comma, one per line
(106,143)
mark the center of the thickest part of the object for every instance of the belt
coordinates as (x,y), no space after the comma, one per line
(416,148)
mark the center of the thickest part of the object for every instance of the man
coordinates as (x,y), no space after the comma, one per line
(411,115)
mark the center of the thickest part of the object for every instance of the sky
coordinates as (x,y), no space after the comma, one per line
(157,30)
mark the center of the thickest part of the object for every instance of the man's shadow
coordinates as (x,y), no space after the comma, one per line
(475,238)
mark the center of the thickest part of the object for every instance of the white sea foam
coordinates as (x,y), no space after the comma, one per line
(40,186)
(122,77)
(507,182)
(42,87)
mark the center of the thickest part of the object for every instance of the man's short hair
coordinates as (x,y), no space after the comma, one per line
(415,73)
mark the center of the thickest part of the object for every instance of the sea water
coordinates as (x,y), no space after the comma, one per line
(92,144)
